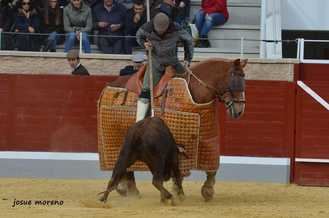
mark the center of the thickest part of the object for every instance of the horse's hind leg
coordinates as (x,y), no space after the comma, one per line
(207,189)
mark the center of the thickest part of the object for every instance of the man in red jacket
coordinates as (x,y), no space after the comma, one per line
(212,13)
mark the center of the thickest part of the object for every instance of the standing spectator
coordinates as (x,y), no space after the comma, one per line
(212,13)
(77,19)
(74,62)
(53,24)
(27,22)
(6,22)
(135,18)
(109,20)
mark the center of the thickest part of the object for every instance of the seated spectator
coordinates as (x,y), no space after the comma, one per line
(182,11)
(135,18)
(138,59)
(212,13)
(63,3)
(74,62)
(52,24)
(27,22)
(77,19)
(93,3)
(109,20)
(6,22)
(128,4)
(165,6)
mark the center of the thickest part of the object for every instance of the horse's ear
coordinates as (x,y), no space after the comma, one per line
(243,63)
(236,62)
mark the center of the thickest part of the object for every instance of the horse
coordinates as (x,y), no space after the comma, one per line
(208,80)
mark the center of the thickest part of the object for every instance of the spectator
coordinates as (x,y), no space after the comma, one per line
(109,20)
(93,3)
(53,24)
(77,19)
(27,22)
(135,18)
(138,61)
(128,4)
(6,22)
(212,13)
(165,6)
(74,61)
(182,11)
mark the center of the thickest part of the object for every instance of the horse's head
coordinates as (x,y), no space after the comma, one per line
(234,96)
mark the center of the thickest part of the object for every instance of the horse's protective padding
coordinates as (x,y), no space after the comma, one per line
(193,125)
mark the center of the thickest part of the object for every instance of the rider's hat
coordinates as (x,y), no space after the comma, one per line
(161,22)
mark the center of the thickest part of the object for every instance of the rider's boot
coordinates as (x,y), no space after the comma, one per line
(142,108)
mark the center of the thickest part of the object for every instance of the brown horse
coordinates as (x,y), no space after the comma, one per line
(209,80)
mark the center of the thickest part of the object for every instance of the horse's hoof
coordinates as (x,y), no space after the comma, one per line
(174,202)
(207,192)
(181,197)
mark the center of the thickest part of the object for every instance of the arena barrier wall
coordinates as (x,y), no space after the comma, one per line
(57,113)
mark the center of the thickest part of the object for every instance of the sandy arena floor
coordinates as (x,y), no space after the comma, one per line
(232,199)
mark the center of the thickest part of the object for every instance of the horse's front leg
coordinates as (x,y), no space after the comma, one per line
(207,189)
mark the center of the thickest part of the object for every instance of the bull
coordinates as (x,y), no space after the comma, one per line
(151,142)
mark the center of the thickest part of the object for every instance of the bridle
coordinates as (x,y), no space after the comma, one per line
(236,83)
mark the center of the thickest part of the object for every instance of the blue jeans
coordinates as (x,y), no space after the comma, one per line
(205,23)
(52,40)
(70,41)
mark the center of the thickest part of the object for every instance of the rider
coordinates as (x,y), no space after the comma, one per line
(161,35)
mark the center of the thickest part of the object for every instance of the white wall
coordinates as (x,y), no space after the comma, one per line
(305,14)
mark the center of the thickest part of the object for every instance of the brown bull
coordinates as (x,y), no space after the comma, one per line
(151,142)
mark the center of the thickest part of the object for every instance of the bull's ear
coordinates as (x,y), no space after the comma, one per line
(243,63)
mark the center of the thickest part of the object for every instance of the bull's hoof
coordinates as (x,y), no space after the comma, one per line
(207,192)
(104,197)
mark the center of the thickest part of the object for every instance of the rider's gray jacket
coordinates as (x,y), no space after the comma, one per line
(164,48)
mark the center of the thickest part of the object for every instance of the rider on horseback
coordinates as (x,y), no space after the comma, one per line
(162,37)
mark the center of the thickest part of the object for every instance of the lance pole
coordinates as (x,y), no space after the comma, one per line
(150,67)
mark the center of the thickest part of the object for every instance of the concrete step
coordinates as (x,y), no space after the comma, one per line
(228,38)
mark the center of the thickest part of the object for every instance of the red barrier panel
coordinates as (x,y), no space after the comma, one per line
(267,127)
(49,112)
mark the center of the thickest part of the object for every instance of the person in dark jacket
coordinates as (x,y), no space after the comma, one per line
(109,21)
(212,13)
(135,18)
(6,22)
(74,61)
(27,22)
(162,37)
(53,24)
